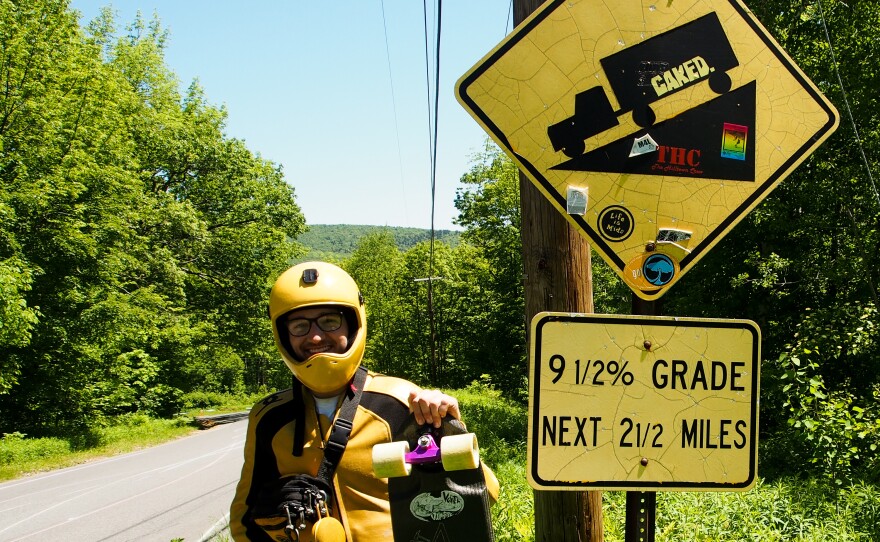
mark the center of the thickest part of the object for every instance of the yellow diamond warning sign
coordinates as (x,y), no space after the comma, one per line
(654,127)
(639,402)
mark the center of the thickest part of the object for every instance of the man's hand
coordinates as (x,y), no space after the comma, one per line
(431,406)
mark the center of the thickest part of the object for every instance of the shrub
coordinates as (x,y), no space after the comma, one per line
(500,424)
(162,401)
(202,399)
(830,389)
(15,448)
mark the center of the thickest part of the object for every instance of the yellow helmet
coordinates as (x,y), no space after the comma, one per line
(312,284)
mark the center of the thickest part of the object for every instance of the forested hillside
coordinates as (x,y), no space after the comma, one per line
(335,242)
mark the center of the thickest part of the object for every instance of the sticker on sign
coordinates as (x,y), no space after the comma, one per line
(641,402)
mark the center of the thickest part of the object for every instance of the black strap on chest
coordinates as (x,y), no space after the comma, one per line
(341,430)
(342,427)
(299,418)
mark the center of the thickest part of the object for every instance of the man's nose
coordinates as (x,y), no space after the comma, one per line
(318,333)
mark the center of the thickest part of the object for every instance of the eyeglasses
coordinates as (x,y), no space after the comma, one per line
(330,321)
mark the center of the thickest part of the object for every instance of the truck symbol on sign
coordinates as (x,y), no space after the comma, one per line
(644,73)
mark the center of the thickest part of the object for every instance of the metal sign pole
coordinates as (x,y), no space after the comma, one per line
(641,506)
(641,511)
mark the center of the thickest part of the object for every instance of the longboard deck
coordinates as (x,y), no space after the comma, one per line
(433,505)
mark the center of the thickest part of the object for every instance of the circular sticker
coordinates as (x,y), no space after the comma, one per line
(650,270)
(615,223)
(658,269)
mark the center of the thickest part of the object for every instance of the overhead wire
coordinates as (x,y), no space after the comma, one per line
(433,121)
(394,110)
(846,102)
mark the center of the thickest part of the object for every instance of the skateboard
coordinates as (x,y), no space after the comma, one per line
(436,486)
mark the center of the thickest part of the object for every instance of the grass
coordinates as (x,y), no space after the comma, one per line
(800,510)
(784,510)
(20,455)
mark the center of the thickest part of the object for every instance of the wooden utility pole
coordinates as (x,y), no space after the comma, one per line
(558,277)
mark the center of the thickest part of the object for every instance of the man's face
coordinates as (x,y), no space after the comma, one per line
(312,331)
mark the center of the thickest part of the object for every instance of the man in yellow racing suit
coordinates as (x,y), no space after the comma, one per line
(319,323)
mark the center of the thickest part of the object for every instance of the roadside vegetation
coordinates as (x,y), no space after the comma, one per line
(806,509)
(803,509)
(21,455)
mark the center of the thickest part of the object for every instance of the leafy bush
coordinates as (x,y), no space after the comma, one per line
(862,502)
(835,419)
(202,399)
(788,509)
(500,425)
(162,401)
(15,448)
(226,402)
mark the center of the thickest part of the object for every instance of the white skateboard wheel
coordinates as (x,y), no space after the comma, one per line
(389,459)
(460,452)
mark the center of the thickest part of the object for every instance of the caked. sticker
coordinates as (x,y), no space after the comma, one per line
(427,507)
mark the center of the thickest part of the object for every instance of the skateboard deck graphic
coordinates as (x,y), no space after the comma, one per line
(437,490)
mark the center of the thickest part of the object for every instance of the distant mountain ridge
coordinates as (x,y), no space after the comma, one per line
(335,242)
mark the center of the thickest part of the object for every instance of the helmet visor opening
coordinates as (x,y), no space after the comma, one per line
(328,322)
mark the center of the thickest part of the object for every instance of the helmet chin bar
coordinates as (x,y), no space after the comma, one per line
(325,373)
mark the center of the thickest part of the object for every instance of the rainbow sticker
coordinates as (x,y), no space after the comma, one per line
(733,142)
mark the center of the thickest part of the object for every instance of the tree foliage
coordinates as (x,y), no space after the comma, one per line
(138,240)
(448,315)
(336,242)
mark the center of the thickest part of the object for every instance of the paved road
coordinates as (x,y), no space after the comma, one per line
(179,490)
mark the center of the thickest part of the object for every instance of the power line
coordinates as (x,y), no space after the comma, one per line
(846,102)
(433,121)
(394,110)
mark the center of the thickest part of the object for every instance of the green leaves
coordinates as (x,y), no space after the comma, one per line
(836,423)
(138,240)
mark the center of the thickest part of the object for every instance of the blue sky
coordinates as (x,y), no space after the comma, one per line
(307,85)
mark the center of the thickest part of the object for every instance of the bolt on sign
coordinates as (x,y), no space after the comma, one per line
(653,126)
(643,403)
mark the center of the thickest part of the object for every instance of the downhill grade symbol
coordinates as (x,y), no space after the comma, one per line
(640,402)
(674,119)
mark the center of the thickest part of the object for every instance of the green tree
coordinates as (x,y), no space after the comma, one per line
(141,242)
(489,209)
(421,356)
(376,265)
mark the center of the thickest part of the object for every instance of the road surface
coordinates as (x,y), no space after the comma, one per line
(178,490)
